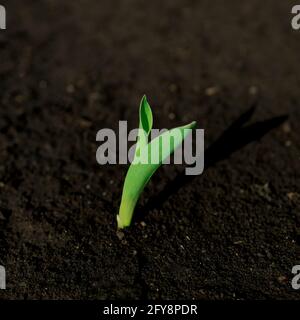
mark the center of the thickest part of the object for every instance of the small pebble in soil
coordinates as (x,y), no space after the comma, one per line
(143,224)
(83,123)
(253,90)
(211,91)
(288,143)
(120,235)
(286,128)
(70,88)
(171,116)
(238,242)
(292,195)
(282,279)
(263,190)
(94,96)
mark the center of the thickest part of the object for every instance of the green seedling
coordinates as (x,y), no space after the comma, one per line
(140,171)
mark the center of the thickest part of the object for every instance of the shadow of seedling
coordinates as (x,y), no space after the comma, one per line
(234,138)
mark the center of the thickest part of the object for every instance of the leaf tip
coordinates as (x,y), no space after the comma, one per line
(191,125)
(146,118)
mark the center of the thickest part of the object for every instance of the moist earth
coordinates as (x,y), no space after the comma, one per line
(71,68)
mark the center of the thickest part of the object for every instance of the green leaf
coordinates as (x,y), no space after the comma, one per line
(145,124)
(150,157)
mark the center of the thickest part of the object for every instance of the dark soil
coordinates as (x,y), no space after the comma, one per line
(70,68)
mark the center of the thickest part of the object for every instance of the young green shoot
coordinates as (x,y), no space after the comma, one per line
(143,167)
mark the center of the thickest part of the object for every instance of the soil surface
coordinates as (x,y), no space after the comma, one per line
(71,68)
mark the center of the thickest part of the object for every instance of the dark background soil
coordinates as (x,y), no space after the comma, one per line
(70,68)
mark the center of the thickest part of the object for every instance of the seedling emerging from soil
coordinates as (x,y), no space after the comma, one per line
(140,171)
